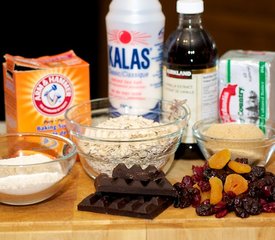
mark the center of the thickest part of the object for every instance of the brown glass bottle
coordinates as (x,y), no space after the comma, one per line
(189,60)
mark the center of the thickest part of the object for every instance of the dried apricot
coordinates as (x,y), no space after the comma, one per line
(239,167)
(235,183)
(216,190)
(219,159)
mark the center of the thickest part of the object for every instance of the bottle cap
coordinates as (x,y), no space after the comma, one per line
(190,6)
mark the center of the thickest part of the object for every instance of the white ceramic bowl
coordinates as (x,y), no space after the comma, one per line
(34,166)
(102,147)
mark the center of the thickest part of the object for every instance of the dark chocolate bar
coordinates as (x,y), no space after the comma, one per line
(137,173)
(132,205)
(158,187)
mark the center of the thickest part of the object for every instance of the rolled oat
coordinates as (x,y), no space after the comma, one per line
(129,140)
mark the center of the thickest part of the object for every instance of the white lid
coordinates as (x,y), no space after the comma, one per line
(190,6)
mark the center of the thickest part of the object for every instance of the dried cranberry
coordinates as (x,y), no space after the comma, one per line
(183,198)
(221,213)
(187,181)
(254,190)
(186,196)
(229,199)
(269,180)
(206,201)
(196,197)
(269,207)
(272,192)
(209,172)
(204,186)
(220,173)
(269,174)
(266,191)
(219,206)
(198,172)
(240,212)
(178,186)
(238,201)
(252,205)
(256,172)
(242,160)
(204,209)
(262,201)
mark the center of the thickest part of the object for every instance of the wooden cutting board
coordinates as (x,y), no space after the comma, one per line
(58,218)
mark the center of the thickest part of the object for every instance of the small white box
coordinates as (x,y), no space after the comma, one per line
(247,85)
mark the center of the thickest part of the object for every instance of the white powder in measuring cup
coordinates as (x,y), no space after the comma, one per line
(18,180)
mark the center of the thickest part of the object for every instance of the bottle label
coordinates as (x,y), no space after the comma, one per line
(135,58)
(244,89)
(198,87)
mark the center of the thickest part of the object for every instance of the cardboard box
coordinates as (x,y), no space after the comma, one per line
(39,90)
(247,85)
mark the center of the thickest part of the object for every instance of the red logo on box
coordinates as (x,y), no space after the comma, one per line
(52,94)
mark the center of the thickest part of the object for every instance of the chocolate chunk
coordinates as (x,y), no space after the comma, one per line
(156,187)
(132,205)
(134,192)
(137,173)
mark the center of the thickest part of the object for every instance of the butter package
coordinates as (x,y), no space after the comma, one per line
(247,85)
(39,90)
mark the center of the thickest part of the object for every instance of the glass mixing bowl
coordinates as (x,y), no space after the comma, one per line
(105,136)
(34,166)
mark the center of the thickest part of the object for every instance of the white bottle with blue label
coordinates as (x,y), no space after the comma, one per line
(135,32)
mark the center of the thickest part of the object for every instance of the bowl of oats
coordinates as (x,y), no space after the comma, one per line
(247,137)
(107,133)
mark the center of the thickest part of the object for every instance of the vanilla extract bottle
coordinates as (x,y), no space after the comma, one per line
(190,59)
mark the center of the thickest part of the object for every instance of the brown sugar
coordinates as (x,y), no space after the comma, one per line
(234,131)
(243,140)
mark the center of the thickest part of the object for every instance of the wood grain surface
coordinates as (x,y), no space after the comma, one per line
(58,218)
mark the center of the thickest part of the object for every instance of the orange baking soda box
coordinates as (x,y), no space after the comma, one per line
(39,90)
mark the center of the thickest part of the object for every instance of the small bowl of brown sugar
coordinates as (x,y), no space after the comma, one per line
(251,138)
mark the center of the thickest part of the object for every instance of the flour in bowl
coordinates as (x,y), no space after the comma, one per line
(23,177)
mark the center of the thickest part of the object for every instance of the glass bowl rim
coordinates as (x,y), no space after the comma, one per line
(177,121)
(66,140)
(196,129)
